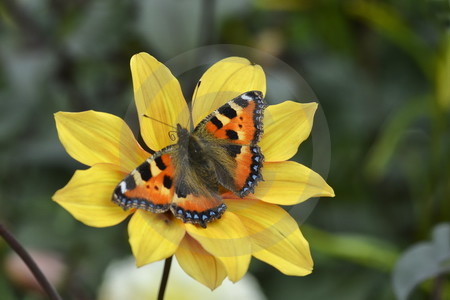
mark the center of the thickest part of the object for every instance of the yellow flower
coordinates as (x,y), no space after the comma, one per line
(253,226)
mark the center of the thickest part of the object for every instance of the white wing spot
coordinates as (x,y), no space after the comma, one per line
(246,97)
(123,187)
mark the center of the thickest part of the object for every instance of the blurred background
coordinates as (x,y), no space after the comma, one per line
(379,69)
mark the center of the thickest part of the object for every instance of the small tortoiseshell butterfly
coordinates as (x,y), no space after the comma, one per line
(187,177)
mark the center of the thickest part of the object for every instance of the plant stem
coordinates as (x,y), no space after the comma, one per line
(165,277)
(31,264)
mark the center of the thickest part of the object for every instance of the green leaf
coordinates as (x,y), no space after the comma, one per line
(443,74)
(392,135)
(387,22)
(361,249)
(422,261)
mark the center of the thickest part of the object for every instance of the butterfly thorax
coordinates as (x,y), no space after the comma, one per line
(196,174)
(190,147)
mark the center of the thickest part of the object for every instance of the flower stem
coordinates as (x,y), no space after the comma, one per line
(165,277)
(31,264)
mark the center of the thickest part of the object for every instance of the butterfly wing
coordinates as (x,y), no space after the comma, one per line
(239,121)
(197,209)
(232,133)
(151,185)
(165,181)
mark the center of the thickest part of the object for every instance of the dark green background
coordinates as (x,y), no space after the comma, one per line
(373,65)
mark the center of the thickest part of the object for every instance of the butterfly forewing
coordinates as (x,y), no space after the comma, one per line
(238,121)
(238,127)
(151,185)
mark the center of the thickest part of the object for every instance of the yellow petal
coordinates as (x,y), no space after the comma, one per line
(225,80)
(88,196)
(228,241)
(94,137)
(154,236)
(275,235)
(286,125)
(199,264)
(289,183)
(158,95)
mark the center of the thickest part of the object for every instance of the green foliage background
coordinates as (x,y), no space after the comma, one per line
(381,70)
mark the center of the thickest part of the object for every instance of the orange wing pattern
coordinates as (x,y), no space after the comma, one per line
(150,186)
(197,209)
(239,124)
(249,162)
(239,121)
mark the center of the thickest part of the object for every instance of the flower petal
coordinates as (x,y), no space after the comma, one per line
(94,137)
(88,195)
(275,235)
(289,183)
(154,236)
(158,95)
(228,241)
(223,81)
(199,264)
(286,125)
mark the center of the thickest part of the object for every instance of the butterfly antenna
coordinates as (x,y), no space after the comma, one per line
(197,86)
(146,116)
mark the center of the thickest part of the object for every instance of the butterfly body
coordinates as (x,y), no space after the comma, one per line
(186,178)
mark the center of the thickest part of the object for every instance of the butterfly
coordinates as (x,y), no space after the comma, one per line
(187,177)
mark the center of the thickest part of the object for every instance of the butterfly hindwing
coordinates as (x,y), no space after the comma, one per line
(237,127)
(197,209)
(249,161)
(151,185)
